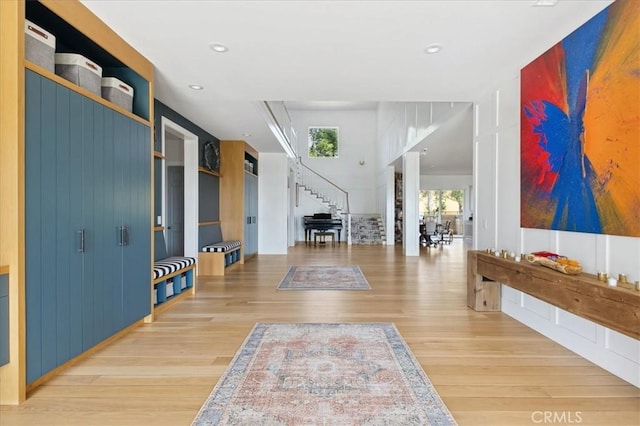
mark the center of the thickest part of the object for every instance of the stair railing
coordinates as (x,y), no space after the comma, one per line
(322,187)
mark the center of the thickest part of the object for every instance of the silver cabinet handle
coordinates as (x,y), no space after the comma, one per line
(125,240)
(80,233)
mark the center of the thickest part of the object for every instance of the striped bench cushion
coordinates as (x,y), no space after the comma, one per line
(222,246)
(171,264)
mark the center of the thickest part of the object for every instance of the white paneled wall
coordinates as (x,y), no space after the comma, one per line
(497,225)
(402,125)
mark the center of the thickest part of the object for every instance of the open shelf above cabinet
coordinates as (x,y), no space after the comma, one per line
(70,39)
(84,92)
(209,172)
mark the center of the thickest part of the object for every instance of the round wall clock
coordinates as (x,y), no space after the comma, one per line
(211,156)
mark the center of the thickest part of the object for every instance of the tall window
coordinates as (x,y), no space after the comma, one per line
(323,142)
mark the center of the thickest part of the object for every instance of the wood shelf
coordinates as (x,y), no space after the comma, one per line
(84,92)
(617,308)
(158,154)
(251,174)
(4,270)
(158,228)
(209,172)
(212,222)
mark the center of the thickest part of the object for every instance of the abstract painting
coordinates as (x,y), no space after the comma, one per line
(580,128)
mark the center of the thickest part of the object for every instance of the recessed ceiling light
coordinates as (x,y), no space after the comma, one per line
(545,3)
(218,47)
(196,87)
(433,48)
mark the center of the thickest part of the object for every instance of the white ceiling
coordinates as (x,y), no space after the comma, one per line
(356,52)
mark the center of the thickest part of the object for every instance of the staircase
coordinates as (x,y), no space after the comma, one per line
(323,199)
(326,192)
(370,228)
(367,229)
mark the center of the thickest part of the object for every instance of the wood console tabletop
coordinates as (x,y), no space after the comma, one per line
(617,308)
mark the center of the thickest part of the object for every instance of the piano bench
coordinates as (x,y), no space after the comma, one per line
(323,235)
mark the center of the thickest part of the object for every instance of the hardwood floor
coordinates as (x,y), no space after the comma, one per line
(488,368)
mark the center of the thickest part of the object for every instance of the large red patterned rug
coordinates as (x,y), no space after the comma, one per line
(324,278)
(324,374)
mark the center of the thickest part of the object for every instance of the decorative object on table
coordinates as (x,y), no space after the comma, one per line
(580,156)
(555,261)
(324,278)
(211,156)
(317,374)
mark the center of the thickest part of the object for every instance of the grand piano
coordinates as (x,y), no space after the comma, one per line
(321,222)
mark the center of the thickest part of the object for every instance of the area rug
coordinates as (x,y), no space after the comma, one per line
(324,374)
(324,278)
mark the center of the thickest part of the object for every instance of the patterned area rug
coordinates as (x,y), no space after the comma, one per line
(324,374)
(324,278)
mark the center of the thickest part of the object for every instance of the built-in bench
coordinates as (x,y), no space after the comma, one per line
(172,275)
(217,257)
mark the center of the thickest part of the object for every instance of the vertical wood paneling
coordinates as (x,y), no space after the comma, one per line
(101,272)
(33,208)
(88,169)
(142,248)
(48,231)
(137,280)
(62,226)
(88,334)
(75,191)
(122,151)
(110,253)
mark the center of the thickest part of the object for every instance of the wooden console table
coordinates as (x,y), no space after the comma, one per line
(617,308)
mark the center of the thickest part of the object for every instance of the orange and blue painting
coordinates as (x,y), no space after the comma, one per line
(580,128)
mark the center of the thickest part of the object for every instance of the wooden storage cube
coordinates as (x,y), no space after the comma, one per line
(79,70)
(39,46)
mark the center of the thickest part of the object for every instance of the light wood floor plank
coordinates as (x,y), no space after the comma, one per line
(488,368)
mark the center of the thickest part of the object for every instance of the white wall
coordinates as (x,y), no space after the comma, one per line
(497,225)
(273,207)
(357,141)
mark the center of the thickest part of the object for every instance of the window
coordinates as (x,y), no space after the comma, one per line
(323,142)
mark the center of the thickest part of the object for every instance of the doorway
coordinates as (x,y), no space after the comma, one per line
(180,189)
(443,206)
(175,211)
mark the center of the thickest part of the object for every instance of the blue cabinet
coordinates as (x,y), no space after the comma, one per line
(4,319)
(251,214)
(88,230)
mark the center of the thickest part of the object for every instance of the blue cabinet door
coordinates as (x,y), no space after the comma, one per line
(137,220)
(251,214)
(87,173)
(4,319)
(52,200)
